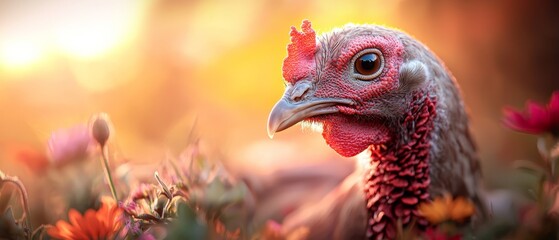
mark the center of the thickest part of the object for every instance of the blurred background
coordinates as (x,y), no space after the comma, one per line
(161,69)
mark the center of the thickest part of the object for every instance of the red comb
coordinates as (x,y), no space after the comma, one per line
(299,62)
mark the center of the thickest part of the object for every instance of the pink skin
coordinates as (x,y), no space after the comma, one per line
(362,91)
(346,134)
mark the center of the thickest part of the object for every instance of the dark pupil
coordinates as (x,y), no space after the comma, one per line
(368,62)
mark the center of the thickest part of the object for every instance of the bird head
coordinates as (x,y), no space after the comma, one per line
(356,82)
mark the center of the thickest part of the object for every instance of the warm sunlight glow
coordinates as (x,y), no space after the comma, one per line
(99,76)
(86,43)
(19,53)
(94,29)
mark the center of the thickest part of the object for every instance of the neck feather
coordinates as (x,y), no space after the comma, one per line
(397,180)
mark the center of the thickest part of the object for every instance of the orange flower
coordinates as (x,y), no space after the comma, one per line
(35,160)
(222,230)
(101,224)
(445,208)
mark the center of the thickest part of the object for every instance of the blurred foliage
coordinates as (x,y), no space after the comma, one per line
(187,225)
(11,227)
(200,201)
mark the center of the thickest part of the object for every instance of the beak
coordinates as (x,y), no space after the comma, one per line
(297,105)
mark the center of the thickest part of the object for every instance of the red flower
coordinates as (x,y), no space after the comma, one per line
(435,234)
(35,160)
(536,119)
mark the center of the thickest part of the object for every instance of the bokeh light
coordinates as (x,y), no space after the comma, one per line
(95,28)
(19,53)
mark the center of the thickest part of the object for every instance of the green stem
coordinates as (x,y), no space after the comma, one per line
(24,201)
(105,158)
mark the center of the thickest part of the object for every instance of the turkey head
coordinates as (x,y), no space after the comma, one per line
(379,91)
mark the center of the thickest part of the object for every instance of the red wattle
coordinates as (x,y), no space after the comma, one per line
(350,136)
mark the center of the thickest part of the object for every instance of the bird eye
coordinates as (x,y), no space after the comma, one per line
(368,64)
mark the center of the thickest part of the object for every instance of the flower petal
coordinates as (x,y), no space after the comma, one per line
(538,115)
(461,209)
(69,231)
(35,160)
(60,231)
(518,121)
(75,217)
(554,107)
(68,145)
(93,229)
(101,224)
(435,212)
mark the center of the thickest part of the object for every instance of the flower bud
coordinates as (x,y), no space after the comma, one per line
(100,128)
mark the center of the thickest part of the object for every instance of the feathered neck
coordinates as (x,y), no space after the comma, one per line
(398,176)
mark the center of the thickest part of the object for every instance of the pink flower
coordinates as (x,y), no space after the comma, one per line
(146,236)
(129,207)
(68,145)
(142,191)
(536,119)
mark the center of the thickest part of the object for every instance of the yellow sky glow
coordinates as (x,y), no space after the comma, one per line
(19,53)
